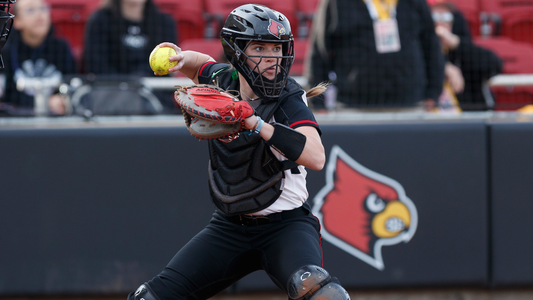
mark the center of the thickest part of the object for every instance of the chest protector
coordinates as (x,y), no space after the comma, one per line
(244,174)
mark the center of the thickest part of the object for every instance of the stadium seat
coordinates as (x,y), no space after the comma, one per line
(187,15)
(69,18)
(471,10)
(300,53)
(505,7)
(218,10)
(517,59)
(211,47)
(516,17)
(305,11)
(516,56)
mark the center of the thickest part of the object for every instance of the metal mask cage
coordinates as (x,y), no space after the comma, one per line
(6,23)
(261,85)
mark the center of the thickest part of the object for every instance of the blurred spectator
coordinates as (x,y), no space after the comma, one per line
(32,52)
(468,67)
(382,54)
(120,36)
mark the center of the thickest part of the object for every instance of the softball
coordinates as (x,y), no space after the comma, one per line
(159,60)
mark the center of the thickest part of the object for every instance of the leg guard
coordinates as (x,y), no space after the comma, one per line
(331,291)
(314,283)
(144,292)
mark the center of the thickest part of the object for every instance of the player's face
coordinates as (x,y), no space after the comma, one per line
(267,56)
(33,17)
(133,2)
(442,16)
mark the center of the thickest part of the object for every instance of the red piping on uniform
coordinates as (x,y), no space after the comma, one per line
(303,122)
(207,63)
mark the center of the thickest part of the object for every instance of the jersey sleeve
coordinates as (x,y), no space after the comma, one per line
(209,70)
(294,113)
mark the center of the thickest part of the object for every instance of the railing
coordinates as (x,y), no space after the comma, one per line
(498,80)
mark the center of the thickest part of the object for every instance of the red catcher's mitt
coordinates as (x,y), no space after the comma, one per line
(210,112)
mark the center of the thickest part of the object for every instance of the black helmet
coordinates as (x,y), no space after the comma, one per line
(6,22)
(252,22)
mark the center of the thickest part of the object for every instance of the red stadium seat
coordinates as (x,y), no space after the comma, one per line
(188,17)
(211,47)
(220,10)
(516,17)
(517,59)
(69,18)
(470,10)
(300,53)
(516,56)
(505,7)
(305,11)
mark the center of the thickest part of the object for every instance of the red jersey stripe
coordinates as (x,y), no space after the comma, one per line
(202,68)
(303,122)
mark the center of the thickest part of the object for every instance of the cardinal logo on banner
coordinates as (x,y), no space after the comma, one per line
(361,210)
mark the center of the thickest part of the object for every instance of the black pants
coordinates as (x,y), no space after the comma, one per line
(224,252)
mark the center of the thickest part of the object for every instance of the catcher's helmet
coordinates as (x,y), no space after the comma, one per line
(6,22)
(252,22)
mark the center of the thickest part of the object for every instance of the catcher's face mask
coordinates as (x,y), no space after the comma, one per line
(251,24)
(6,22)
(265,66)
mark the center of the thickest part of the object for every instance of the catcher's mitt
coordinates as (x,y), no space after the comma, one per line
(210,112)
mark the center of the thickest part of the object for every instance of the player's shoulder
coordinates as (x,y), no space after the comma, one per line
(292,86)
(293,94)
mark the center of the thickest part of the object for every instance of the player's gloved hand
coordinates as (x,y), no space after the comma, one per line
(210,112)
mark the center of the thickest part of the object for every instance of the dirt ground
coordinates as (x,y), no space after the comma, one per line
(413,294)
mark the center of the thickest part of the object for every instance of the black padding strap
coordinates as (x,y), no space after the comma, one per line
(287,141)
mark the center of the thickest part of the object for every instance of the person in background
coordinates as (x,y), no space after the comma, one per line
(33,51)
(382,54)
(120,36)
(468,67)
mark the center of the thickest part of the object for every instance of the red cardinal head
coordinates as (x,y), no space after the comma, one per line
(276,28)
(361,210)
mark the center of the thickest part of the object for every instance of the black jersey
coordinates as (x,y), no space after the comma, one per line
(292,111)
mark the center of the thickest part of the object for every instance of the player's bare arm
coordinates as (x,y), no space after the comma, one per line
(189,62)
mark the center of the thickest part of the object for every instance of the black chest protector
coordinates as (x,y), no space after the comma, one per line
(244,174)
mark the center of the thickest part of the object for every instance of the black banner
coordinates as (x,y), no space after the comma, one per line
(512,194)
(101,210)
(434,176)
(97,210)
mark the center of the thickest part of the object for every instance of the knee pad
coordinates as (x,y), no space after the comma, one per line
(331,291)
(314,283)
(144,292)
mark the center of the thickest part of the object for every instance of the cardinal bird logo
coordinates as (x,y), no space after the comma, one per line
(276,28)
(361,210)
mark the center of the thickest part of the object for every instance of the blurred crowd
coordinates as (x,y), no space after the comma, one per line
(378,55)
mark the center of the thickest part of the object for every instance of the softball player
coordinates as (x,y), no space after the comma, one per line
(258,179)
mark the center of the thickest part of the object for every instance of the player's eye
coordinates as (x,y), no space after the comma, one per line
(277,49)
(258,48)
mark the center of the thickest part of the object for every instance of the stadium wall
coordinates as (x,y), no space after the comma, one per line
(101,210)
